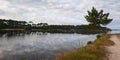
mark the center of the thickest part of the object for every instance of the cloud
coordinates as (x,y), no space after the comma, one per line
(56,11)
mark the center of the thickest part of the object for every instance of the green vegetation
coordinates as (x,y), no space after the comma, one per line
(94,51)
(90,29)
(97,19)
(44,27)
(12,24)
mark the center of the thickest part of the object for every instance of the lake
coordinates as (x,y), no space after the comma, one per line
(38,45)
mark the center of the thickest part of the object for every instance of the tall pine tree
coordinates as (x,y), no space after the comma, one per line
(97,18)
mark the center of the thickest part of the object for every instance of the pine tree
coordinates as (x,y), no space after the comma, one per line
(98,18)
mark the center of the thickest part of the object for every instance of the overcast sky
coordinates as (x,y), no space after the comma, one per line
(57,11)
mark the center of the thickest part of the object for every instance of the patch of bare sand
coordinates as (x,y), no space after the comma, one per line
(115,49)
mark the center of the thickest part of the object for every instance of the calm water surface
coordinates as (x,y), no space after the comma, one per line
(39,46)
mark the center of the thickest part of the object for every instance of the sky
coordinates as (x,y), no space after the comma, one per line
(58,11)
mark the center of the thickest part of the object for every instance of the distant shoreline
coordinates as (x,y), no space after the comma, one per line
(60,30)
(12,29)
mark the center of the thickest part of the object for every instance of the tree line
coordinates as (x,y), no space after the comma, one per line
(14,24)
(45,27)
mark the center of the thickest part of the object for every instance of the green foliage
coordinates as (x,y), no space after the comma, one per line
(12,24)
(98,18)
(44,27)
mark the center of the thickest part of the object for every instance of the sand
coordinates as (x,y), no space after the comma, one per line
(115,49)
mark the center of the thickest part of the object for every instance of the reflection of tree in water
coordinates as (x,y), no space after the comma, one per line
(20,33)
(12,33)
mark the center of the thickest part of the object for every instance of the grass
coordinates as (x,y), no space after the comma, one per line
(95,51)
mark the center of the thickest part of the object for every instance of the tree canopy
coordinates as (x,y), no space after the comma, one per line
(98,18)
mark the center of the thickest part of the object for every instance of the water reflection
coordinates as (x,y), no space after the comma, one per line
(23,45)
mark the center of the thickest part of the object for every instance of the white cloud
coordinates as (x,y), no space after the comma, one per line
(56,11)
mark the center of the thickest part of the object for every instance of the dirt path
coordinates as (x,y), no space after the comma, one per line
(115,49)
